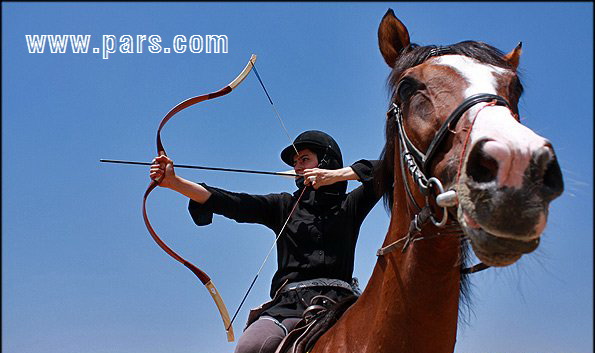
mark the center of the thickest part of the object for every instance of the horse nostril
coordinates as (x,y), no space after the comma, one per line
(481,167)
(547,169)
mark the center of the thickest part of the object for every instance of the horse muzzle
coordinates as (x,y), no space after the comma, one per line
(502,207)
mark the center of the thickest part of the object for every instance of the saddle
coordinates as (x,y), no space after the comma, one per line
(322,313)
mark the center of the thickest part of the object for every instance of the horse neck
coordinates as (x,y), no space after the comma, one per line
(415,292)
(411,301)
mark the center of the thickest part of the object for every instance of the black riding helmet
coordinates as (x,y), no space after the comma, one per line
(325,147)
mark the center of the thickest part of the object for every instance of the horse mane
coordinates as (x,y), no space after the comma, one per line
(411,56)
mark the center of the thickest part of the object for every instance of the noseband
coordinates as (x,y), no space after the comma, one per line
(419,163)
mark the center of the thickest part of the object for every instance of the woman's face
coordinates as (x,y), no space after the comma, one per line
(305,159)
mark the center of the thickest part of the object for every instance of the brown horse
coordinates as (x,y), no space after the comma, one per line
(491,175)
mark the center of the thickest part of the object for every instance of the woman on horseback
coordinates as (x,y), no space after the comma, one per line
(315,252)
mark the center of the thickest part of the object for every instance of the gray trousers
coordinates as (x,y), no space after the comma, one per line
(264,335)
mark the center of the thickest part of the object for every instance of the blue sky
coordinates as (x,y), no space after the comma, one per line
(79,270)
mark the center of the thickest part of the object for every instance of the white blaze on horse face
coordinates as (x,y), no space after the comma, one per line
(509,142)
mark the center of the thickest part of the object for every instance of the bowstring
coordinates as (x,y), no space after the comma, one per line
(290,213)
(273,106)
(267,257)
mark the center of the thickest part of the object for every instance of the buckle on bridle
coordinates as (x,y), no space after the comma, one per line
(394,111)
(438,50)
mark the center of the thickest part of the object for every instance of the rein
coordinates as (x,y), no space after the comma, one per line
(418,164)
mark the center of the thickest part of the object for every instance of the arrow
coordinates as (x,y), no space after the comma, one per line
(285,174)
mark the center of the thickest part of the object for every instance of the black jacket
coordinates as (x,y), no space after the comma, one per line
(319,239)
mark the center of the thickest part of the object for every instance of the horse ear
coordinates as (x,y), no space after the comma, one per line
(392,37)
(514,56)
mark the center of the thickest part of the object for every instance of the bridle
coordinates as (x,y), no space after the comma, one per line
(426,159)
(418,165)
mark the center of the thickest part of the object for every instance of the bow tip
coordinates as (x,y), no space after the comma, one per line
(230,335)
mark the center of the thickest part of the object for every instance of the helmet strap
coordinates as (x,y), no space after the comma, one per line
(324,162)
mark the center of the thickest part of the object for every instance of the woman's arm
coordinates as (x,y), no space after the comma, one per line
(206,200)
(361,200)
(322,177)
(163,171)
(362,170)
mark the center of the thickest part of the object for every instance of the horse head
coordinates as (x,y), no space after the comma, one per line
(454,118)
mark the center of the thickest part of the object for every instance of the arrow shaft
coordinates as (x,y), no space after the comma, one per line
(204,168)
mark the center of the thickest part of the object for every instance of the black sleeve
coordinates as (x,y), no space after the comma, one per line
(362,199)
(241,207)
(365,169)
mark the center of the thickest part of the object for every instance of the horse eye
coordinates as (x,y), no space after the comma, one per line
(406,89)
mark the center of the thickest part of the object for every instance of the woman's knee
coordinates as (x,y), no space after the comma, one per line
(263,336)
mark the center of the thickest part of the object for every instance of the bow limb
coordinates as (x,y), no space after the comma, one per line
(195,100)
(204,278)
